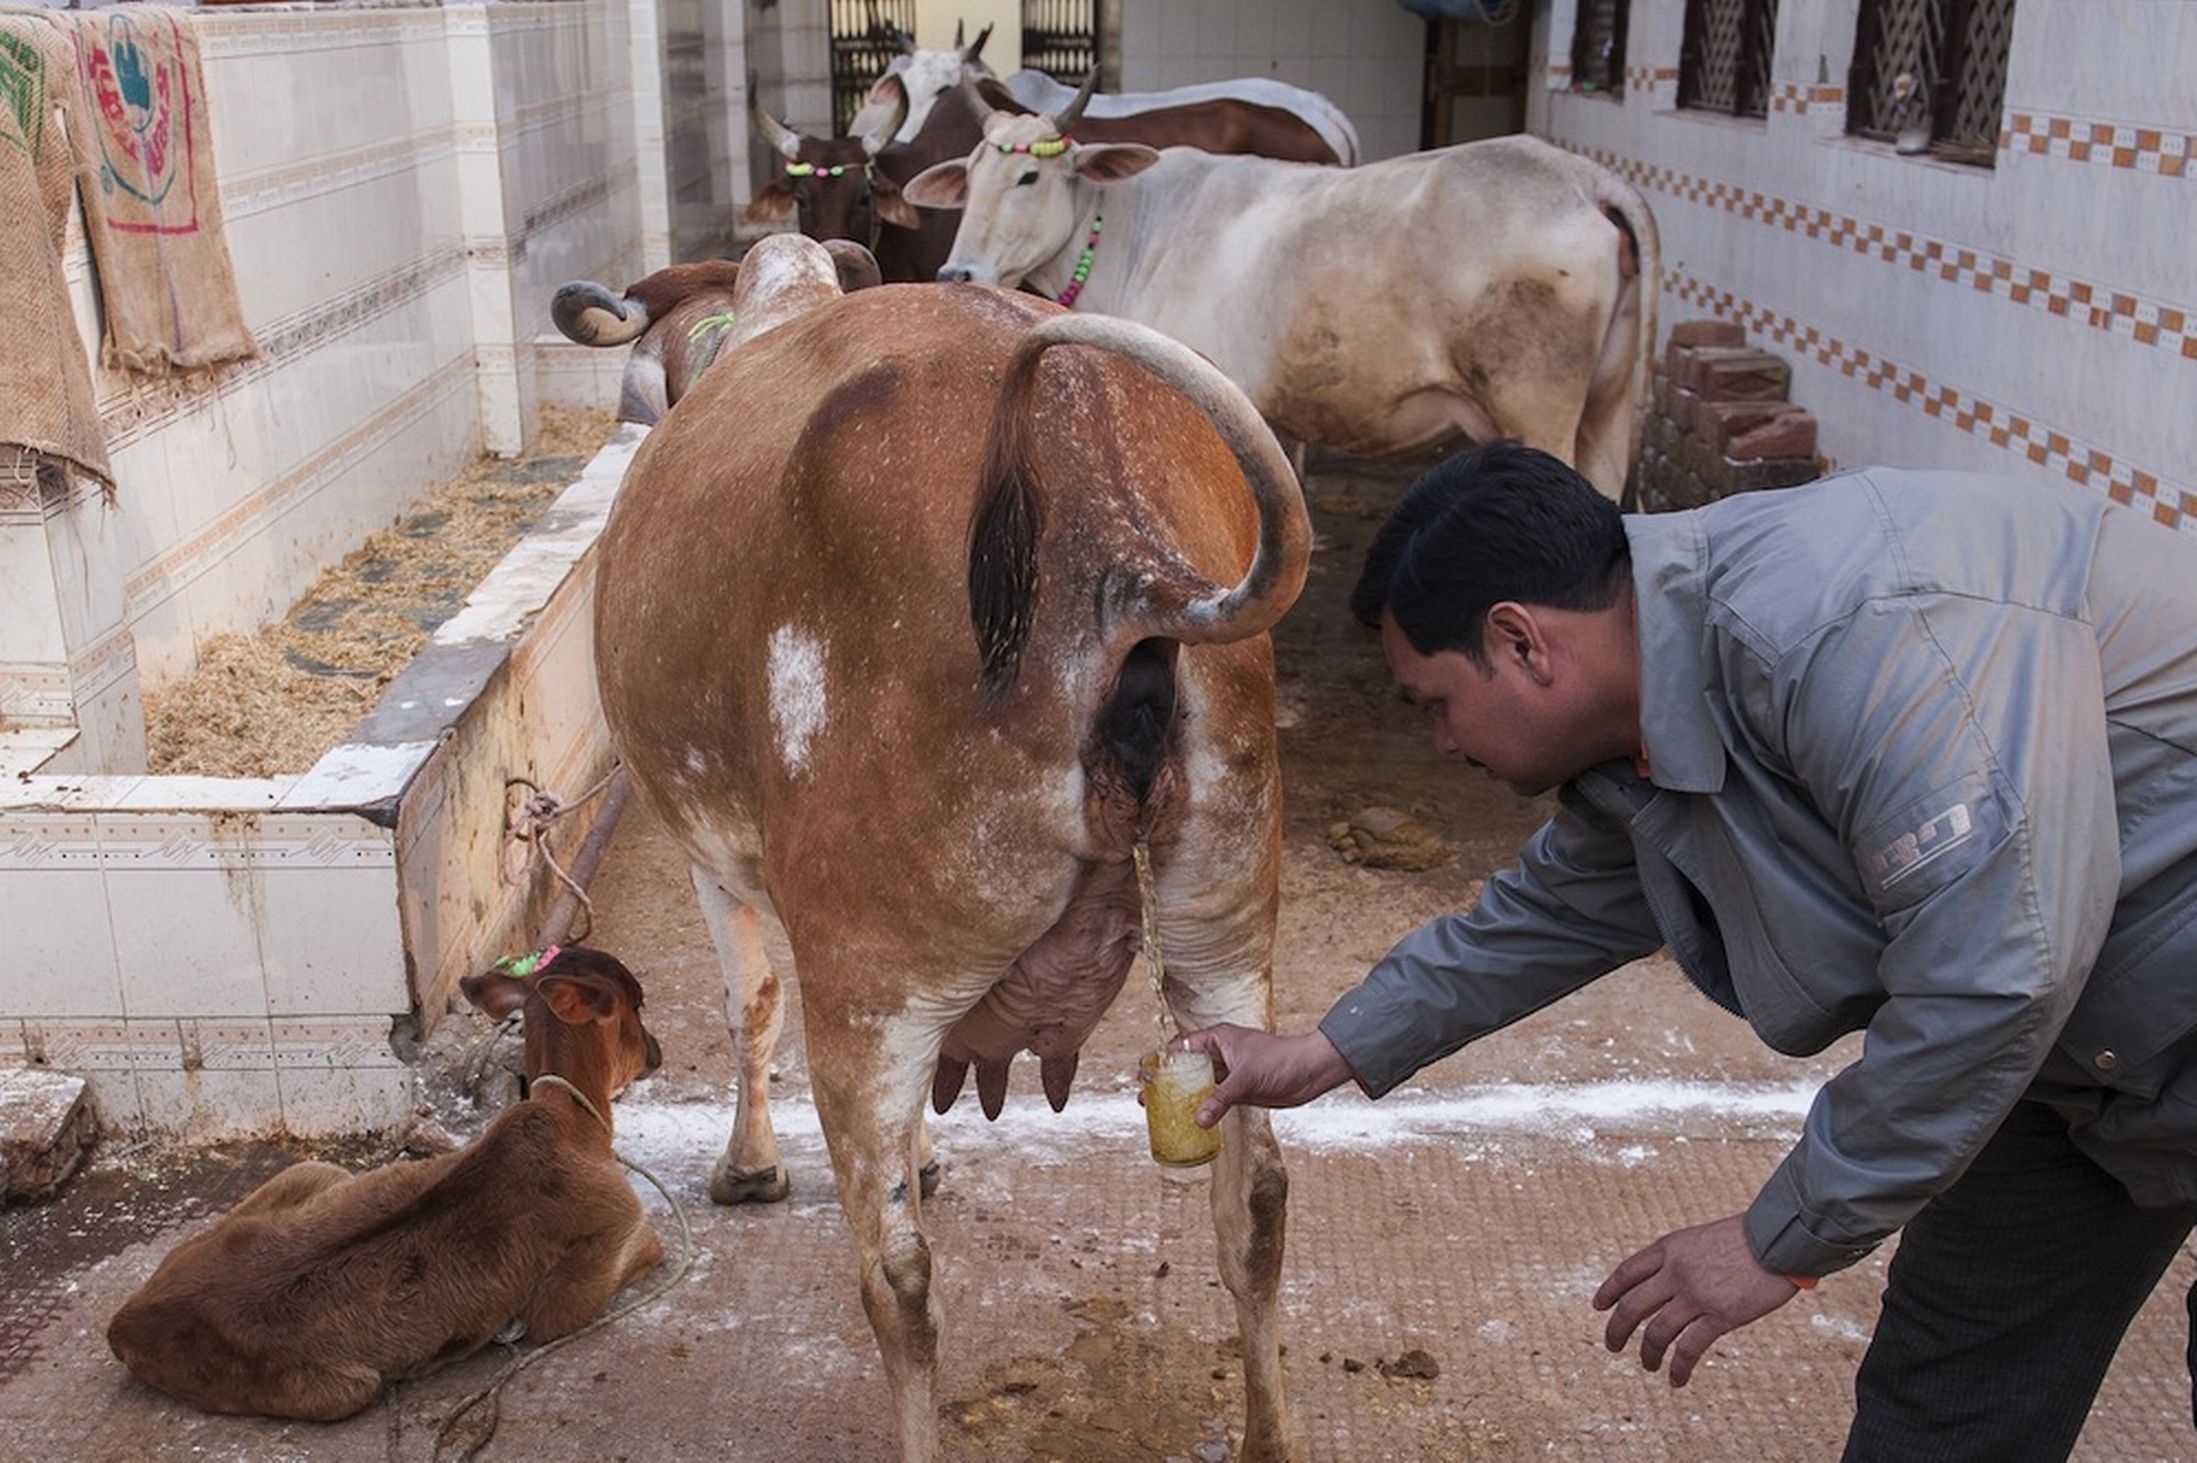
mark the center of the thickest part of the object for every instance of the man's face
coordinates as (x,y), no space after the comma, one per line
(1507,720)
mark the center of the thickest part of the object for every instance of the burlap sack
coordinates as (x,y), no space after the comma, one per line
(47,411)
(152,209)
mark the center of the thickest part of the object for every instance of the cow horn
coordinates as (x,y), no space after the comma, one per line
(783,139)
(895,116)
(857,266)
(961,31)
(591,315)
(1066,121)
(900,38)
(975,48)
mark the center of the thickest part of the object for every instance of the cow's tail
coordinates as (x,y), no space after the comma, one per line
(1003,580)
(1640,287)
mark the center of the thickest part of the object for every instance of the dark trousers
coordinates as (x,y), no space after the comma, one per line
(2005,1302)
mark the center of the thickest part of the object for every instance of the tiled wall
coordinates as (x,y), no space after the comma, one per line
(1366,56)
(222,956)
(404,187)
(2037,317)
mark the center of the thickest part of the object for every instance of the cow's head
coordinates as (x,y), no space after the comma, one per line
(1021,191)
(830,180)
(583,1015)
(926,75)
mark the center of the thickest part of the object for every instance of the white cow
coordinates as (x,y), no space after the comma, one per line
(1497,289)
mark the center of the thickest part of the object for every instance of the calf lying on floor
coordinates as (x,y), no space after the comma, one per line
(323,1287)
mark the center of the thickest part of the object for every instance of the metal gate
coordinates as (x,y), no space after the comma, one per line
(1956,49)
(1061,38)
(1724,65)
(865,36)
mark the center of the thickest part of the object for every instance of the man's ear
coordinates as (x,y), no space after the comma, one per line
(1110,162)
(578,999)
(888,203)
(1514,637)
(941,185)
(775,201)
(494,994)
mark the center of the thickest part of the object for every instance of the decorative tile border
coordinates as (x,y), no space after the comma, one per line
(2163,150)
(2170,503)
(317,177)
(2171,328)
(1798,96)
(140,407)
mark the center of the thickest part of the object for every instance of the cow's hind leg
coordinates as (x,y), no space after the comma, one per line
(870,1073)
(1250,1213)
(751,1169)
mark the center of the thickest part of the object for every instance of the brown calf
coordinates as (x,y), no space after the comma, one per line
(324,1286)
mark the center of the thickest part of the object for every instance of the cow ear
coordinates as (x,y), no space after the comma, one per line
(891,205)
(578,999)
(1110,162)
(494,994)
(998,98)
(775,201)
(941,185)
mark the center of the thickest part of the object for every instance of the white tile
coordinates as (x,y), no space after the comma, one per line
(113,1097)
(210,1105)
(30,616)
(339,1076)
(331,942)
(13,1052)
(187,908)
(175,793)
(61,955)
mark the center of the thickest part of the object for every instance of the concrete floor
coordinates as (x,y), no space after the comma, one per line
(1471,1215)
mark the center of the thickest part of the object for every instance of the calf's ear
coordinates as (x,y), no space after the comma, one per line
(941,185)
(1110,162)
(578,999)
(494,993)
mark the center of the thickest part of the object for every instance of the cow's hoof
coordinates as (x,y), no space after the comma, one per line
(764,1186)
(927,1177)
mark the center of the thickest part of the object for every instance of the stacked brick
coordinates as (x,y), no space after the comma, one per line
(1721,420)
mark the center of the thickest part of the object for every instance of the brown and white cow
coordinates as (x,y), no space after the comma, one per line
(677,321)
(1034,91)
(1497,289)
(323,1287)
(852,187)
(923,609)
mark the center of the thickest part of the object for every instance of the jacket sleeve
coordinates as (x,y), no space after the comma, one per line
(1959,748)
(1571,910)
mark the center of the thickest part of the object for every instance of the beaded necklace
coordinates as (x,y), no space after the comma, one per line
(1083,264)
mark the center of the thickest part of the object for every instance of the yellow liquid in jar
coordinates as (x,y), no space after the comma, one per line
(1174,1085)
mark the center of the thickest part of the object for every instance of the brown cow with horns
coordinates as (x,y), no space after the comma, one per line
(922,610)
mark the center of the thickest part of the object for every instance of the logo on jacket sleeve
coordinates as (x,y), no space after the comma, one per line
(1939,835)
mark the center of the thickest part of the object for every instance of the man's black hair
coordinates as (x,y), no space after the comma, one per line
(1500,522)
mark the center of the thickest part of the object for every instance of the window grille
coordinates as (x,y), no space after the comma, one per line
(865,36)
(1953,54)
(1060,38)
(1725,63)
(1598,47)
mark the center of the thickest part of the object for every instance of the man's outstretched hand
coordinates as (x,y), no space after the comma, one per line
(1265,1070)
(1690,1287)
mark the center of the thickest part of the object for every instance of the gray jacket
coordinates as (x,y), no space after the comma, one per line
(1923,759)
